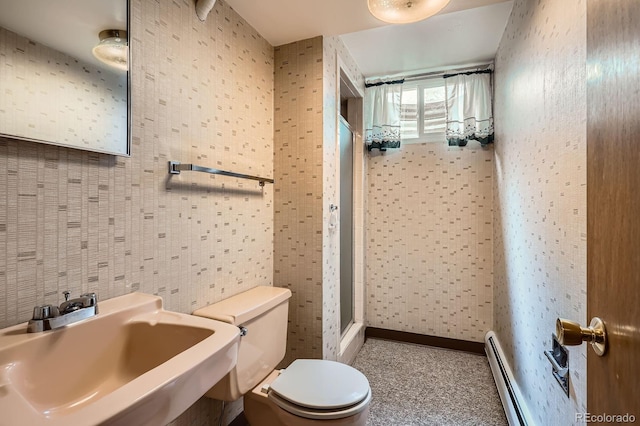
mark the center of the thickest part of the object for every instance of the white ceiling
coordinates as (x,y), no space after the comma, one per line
(458,38)
(465,31)
(69,26)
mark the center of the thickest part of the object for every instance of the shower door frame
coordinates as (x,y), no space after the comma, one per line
(343,121)
(349,343)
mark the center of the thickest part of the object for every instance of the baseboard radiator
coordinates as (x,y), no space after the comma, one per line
(512,401)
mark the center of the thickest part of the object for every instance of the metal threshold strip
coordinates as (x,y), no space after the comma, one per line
(175,167)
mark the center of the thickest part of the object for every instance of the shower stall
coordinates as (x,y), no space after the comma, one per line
(346,226)
(350,198)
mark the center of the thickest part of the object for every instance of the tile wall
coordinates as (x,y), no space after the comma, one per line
(540,197)
(429,240)
(79,221)
(298,157)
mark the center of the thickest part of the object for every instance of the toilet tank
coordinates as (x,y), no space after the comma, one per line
(263,312)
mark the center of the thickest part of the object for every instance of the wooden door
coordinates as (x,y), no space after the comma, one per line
(613,203)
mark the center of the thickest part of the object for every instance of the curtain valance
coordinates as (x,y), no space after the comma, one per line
(382,114)
(469,111)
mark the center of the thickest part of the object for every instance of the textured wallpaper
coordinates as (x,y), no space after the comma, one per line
(429,240)
(298,196)
(540,197)
(50,96)
(80,221)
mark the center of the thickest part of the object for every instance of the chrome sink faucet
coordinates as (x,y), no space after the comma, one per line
(49,317)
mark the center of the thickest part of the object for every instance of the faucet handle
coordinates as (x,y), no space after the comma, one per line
(45,311)
(93,298)
(66,293)
(41,312)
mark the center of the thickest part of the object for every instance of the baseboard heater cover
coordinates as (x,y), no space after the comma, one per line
(512,401)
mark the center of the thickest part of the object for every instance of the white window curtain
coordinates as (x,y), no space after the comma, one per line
(469,112)
(382,114)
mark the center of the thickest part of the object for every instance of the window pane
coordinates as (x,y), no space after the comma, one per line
(409,114)
(434,110)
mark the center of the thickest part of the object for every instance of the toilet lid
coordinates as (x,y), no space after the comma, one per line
(321,384)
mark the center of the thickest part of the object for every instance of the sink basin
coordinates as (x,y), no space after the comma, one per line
(132,363)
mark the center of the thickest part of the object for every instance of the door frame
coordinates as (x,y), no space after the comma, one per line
(350,342)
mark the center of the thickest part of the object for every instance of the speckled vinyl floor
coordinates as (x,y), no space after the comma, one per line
(422,385)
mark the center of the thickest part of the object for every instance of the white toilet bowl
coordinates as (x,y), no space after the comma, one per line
(310,392)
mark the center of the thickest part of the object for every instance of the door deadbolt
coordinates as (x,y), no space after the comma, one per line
(570,333)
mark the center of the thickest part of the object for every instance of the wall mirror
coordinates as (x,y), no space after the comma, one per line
(53,88)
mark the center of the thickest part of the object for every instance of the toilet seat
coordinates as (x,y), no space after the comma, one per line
(320,389)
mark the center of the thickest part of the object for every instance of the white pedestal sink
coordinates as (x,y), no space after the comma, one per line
(132,364)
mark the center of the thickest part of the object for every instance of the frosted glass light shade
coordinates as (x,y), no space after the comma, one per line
(113,49)
(405,11)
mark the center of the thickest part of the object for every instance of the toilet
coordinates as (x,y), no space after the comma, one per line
(307,392)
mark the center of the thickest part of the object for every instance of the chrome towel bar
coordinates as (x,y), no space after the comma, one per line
(175,167)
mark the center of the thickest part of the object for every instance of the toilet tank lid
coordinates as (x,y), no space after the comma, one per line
(245,306)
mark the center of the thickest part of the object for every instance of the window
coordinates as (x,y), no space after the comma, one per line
(423,111)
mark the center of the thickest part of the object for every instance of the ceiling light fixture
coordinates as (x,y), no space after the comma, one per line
(113,49)
(405,11)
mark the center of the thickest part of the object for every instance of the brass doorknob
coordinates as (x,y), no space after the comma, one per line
(570,333)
